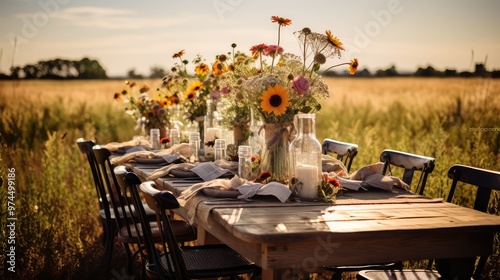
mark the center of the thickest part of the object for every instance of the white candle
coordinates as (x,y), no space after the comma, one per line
(212,133)
(308,175)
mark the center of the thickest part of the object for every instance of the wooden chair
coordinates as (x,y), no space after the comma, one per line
(208,261)
(485,181)
(345,151)
(410,163)
(106,213)
(126,221)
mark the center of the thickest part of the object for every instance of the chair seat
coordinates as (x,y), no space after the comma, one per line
(183,232)
(213,261)
(407,274)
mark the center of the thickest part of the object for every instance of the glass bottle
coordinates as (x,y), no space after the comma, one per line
(194,146)
(245,162)
(305,158)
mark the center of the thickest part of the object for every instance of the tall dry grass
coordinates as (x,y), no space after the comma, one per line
(59,234)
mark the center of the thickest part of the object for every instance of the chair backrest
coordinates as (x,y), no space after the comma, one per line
(485,181)
(85,147)
(345,151)
(410,163)
(108,181)
(161,202)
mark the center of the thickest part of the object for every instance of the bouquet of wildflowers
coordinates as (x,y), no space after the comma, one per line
(146,110)
(290,84)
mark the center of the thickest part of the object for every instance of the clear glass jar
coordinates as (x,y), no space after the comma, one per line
(220,149)
(175,137)
(194,146)
(305,158)
(245,162)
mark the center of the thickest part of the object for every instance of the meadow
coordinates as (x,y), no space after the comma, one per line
(58,235)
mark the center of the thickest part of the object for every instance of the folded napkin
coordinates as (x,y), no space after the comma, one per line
(114,146)
(182,149)
(246,188)
(331,164)
(371,176)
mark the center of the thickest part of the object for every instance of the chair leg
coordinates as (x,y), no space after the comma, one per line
(109,244)
(337,275)
(130,269)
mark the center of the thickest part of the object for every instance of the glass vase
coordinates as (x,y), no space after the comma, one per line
(275,153)
(305,159)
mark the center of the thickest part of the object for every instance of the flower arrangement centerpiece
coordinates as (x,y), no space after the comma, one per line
(234,113)
(287,86)
(148,111)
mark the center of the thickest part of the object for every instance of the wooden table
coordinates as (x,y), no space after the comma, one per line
(303,237)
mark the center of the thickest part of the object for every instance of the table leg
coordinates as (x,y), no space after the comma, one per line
(204,237)
(460,268)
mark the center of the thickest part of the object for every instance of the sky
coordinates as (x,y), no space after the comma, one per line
(124,35)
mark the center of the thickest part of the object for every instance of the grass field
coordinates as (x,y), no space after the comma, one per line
(58,234)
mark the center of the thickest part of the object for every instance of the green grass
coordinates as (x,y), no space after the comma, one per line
(58,233)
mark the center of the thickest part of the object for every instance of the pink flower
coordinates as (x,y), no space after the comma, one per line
(273,50)
(258,49)
(301,84)
(225,90)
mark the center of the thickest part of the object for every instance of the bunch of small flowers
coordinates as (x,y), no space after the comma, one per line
(329,188)
(146,110)
(290,84)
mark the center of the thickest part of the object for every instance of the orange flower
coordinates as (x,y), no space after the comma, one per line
(179,54)
(281,20)
(353,66)
(334,40)
(275,100)
(117,96)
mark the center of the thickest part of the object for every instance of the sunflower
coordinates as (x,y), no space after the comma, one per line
(195,86)
(202,69)
(275,100)
(117,96)
(353,66)
(281,20)
(217,68)
(189,95)
(334,40)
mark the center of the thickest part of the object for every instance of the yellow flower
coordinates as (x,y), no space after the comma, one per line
(189,95)
(217,68)
(195,87)
(334,40)
(202,69)
(275,100)
(353,66)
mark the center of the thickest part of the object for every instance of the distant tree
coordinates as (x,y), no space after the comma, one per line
(427,72)
(363,73)
(389,72)
(132,75)
(450,73)
(60,69)
(157,72)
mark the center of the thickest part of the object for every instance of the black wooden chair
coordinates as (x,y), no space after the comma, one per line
(345,151)
(125,223)
(485,181)
(106,213)
(174,262)
(409,164)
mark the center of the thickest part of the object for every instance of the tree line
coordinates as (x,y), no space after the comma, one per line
(58,69)
(91,69)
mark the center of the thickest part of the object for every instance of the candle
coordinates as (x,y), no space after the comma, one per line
(212,133)
(308,175)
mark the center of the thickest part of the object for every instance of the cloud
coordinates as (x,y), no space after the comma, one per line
(114,19)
